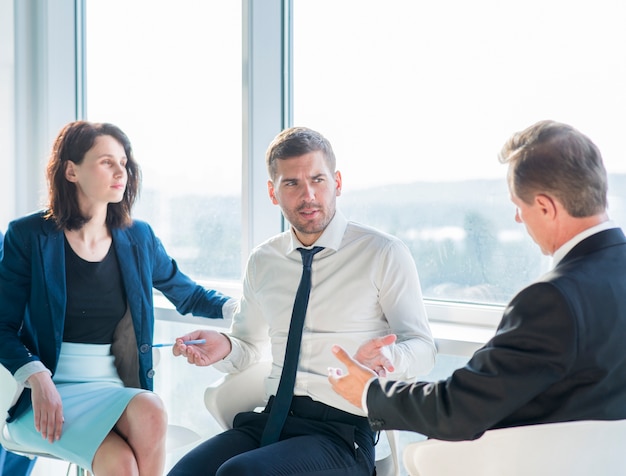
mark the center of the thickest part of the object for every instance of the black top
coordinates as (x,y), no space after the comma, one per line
(96,300)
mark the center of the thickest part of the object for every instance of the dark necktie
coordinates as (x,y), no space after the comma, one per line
(284,395)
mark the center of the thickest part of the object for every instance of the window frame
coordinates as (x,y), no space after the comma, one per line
(49,66)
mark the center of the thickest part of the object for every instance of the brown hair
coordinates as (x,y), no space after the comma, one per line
(294,142)
(72,143)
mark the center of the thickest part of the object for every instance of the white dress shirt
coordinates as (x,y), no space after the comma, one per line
(569,245)
(364,285)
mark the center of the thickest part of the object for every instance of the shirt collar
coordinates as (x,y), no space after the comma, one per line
(569,245)
(331,237)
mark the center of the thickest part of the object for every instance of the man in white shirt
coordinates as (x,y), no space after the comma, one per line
(558,354)
(365,295)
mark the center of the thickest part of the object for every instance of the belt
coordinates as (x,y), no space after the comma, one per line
(306,407)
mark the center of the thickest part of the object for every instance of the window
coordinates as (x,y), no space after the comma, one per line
(169,74)
(7,129)
(417,99)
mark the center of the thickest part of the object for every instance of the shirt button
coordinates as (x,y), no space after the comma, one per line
(150,373)
(144,348)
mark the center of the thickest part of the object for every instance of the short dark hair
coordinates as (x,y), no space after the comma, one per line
(72,143)
(294,142)
(555,158)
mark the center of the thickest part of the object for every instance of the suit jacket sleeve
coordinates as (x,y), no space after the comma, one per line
(533,348)
(15,283)
(188,296)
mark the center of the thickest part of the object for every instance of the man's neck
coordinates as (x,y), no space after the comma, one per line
(593,226)
(575,226)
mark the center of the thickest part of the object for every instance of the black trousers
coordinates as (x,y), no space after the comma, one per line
(316,439)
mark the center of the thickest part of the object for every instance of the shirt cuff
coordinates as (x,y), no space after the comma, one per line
(364,396)
(25,371)
(229,308)
(227,365)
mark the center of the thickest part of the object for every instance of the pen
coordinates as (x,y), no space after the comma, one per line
(187,342)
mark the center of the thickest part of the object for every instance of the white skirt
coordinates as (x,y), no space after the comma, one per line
(93,400)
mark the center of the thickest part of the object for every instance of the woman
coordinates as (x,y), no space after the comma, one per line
(76,310)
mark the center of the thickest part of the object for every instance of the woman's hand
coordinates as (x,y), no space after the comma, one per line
(47,406)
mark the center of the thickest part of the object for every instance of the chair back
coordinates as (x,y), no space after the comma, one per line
(247,386)
(578,448)
(8,396)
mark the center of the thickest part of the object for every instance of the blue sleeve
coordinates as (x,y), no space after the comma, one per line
(186,295)
(15,283)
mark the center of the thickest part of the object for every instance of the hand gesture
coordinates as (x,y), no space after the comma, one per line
(47,406)
(216,347)
(351,384)
(372,354)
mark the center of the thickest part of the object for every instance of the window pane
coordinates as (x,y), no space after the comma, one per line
(7,118)
(169,74)
(418,98)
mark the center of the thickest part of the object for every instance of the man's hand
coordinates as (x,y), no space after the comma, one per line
(372,354)
(352,384)
(47,406)
(217,347)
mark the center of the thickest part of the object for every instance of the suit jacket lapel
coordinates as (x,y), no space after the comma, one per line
(128,258)
(52,248)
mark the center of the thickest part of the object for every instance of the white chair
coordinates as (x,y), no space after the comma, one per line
(245,391)
(580,448)
(8,394)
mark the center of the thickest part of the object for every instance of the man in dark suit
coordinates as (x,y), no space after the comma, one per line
(558,354)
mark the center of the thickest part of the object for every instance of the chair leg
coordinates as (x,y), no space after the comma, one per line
(80,471)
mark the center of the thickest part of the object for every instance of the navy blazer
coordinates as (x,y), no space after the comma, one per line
(33,294)
(558,355)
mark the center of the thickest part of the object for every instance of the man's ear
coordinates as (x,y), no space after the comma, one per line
(70,171)
(548,205)
(272,192)
(338,183)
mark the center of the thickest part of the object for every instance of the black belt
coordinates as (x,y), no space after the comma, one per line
(306,407)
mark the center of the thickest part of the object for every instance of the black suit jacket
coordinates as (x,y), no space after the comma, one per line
(559,354)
